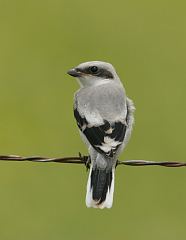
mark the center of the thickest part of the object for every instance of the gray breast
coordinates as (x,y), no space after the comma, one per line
(107,99)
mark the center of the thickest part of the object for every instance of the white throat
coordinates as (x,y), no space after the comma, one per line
(84,82)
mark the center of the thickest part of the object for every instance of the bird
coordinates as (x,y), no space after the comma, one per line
(104,115)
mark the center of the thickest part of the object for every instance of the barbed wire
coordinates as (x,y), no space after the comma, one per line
(86,161)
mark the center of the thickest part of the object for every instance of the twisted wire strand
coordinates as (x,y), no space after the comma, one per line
(85,160)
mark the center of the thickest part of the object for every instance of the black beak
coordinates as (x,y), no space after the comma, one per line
(74,73)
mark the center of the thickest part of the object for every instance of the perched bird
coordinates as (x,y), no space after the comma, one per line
(104,115)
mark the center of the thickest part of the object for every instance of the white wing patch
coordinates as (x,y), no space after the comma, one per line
(109,144)
(109,131)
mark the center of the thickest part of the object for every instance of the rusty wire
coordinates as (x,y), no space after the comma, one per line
(85,160)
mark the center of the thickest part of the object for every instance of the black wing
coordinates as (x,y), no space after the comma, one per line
(105,138)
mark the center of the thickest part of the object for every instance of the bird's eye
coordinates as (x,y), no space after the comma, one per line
(93,69)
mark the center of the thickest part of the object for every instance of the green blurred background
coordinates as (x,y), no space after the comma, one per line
(39,41)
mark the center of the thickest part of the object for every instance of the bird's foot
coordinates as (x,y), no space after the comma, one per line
(86,160)
(117,163)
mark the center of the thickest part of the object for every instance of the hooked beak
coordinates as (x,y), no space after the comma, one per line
(74,72)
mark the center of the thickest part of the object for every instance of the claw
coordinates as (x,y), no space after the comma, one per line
(117,162)
(86,160)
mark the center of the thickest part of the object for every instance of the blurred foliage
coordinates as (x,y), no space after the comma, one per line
(40,40)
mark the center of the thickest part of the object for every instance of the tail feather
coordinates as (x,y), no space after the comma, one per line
(100,188)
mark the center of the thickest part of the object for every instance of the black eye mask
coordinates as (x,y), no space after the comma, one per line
(99,72)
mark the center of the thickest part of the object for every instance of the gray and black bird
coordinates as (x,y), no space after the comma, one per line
(104,115)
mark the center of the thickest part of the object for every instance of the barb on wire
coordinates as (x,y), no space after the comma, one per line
(86,160)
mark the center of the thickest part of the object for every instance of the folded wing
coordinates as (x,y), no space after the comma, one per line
(106,137)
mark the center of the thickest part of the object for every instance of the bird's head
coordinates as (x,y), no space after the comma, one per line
(94,73)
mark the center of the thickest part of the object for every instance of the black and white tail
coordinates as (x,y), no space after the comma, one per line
(100,188)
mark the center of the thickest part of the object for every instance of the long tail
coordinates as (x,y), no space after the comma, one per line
(100,188)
